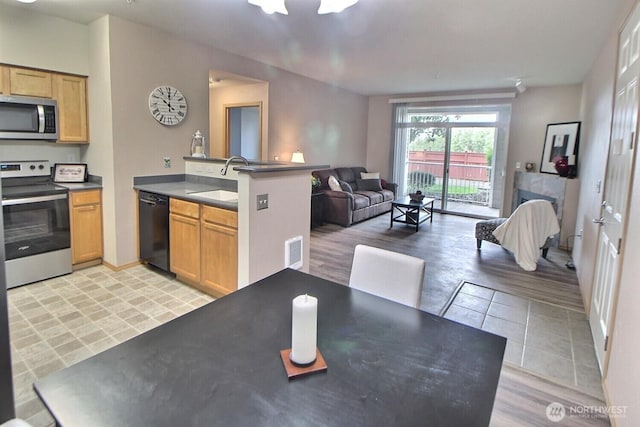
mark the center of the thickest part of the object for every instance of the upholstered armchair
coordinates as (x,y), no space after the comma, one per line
(533,222)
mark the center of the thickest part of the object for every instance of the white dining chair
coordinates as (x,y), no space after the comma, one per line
(15,422)
(387,274)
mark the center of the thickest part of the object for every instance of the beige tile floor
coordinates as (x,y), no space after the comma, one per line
(61,321)
(548,340)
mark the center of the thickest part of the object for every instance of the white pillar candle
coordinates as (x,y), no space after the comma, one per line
(304,329)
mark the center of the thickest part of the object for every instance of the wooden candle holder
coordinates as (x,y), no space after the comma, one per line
(294,371)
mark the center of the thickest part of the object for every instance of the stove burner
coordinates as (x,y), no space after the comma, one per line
(23,179)
(32,190)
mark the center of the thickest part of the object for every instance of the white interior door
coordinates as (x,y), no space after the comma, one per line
(617,188)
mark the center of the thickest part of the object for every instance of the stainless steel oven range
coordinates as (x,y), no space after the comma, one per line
(37,233)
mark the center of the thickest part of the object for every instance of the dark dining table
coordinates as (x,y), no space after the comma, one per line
(219,365)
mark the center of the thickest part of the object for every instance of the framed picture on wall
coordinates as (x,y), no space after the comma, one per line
(562,139)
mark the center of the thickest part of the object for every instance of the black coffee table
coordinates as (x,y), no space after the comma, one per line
(411,212)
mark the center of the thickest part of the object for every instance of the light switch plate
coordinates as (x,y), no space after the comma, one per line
(263,201)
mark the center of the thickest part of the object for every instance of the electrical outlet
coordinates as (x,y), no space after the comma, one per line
(167,162)
(263,201)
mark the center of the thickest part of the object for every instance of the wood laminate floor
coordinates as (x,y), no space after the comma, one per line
(448,246)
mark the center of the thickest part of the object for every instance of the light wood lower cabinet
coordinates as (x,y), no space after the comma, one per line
(204,246)
(219,250)
(184,239)
(86,225)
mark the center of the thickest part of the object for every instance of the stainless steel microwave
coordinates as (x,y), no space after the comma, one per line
(22,117)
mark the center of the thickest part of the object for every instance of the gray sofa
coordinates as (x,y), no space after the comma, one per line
(358,200)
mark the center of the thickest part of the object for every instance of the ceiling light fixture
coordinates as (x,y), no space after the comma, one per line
(520,87)
(270,6)
(26,1)
(326,6)
(334,6)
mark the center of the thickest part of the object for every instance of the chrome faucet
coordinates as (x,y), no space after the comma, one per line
(223,171)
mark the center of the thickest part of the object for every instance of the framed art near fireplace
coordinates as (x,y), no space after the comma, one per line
(561,140)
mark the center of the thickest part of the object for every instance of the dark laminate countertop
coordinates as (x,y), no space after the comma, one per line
(257,167)
(80,186)
(388,365)
(94,182)
(187,187)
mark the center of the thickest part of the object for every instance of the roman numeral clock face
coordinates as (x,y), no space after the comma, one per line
(167,105)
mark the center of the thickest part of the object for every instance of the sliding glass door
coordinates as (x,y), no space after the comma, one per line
(451,156)
(425,162)
(468,189)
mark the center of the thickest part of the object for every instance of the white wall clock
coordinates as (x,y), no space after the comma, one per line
(167,105)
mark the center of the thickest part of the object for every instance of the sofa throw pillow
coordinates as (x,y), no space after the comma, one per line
(369,175)
(334,184)
(369,185)
(345,186)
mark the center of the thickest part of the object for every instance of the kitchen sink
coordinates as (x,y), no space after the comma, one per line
(221,195)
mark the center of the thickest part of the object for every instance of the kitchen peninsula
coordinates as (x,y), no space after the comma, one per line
(254,210)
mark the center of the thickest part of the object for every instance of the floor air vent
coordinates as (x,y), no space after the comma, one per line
(293,253)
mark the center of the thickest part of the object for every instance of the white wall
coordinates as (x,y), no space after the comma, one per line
(328,124)
(138,64)
(220,97)
(622,381)
(379,156)
(269,229)
(98,155)
(597,110)
(124,62)
(530,114)
(40,41)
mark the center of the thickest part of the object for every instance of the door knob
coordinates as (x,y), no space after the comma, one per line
(598,221)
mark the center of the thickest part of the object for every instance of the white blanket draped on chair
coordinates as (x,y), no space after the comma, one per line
(526,231)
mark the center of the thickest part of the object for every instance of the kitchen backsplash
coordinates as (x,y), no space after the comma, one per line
(39,150)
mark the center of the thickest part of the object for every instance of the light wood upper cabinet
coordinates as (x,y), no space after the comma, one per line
(219,250)
(184,239)
(4,79)
(27,82)
(86,225)
(69,91)
(71,94)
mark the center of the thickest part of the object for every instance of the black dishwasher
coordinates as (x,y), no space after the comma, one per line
(153,226)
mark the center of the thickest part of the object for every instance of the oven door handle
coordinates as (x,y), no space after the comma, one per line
(23,201)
